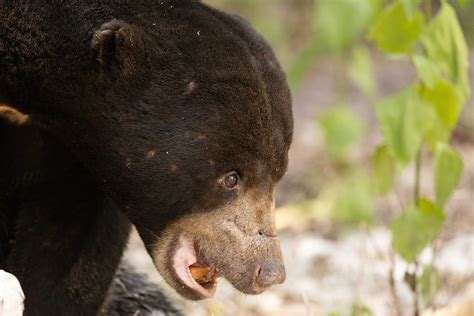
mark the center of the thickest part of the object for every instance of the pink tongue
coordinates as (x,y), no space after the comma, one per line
(185,254)
(184,257)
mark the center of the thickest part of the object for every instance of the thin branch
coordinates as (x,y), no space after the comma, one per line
(416,192)
(417,198)
(428,8)
(393,290)
(416,304)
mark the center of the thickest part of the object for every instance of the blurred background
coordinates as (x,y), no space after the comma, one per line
(336,227)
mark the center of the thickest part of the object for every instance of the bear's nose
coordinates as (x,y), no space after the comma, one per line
(268,274)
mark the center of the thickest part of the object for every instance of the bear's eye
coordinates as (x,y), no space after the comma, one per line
(231,180)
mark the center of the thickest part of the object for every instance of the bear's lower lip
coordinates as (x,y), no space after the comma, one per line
(184,260)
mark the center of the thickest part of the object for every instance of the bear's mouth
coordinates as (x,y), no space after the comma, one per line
(192,269)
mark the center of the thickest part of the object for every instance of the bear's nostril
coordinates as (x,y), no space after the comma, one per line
(269,274)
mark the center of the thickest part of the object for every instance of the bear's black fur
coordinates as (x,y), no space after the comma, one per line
(136,107)
(65,237)
(37,228)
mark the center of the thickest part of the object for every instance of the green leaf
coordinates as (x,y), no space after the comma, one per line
(438,133)
(340,22)
(361,71)
(394,32)
(354,200)
(385,169)
(410,7)
(447,103)
(341,128)
(448,168)
(404,119)
(303,62)
(430,283)
(427,70)
(446,100)
(445,45)
(415,228)
(360,310)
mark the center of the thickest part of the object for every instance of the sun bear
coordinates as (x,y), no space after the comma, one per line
(169,115)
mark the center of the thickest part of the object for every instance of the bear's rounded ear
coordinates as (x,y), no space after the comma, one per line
(115,42)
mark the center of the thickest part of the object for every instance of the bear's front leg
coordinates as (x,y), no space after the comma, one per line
(69,239)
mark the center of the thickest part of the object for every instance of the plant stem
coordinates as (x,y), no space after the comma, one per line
(417,198)
(416,305)
(415,292)
(416,190)
(393,290)
(427,8)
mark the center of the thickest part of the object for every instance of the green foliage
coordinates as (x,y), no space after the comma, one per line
(276,33)
(445,45)
(361,310)
(394,32)
(416,228)
(385,169)
(355,200)
(410,7)
(404,119)
(341,128)
(447,103)
(427,70)
(340,22)
(448,168)
(428,111)
(430,283)
(361,71)
(462,3)
(303,63)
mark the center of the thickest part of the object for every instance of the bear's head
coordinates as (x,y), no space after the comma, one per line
(187,128)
